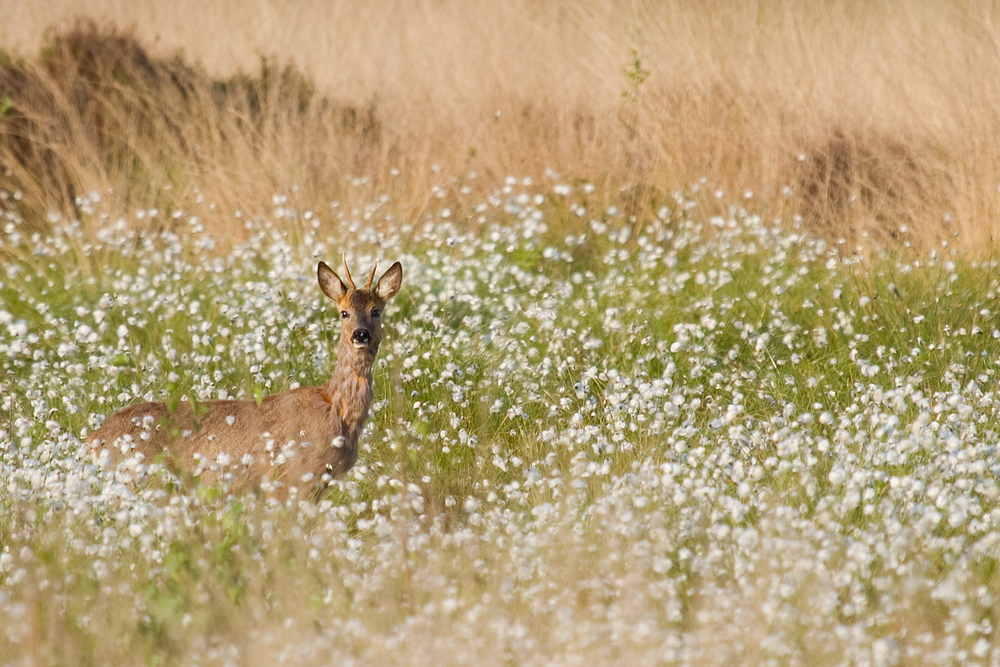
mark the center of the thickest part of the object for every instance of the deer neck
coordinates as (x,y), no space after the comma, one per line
(349,389)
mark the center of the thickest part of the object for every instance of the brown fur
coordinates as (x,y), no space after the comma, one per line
(299,438)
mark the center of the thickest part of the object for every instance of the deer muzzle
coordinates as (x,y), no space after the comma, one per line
(361,338)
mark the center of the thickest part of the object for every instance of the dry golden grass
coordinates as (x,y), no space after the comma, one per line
(876,116)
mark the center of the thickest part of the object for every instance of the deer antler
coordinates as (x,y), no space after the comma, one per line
(348,272)
(371,277)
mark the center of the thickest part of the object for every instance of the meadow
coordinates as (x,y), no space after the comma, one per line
(675,441)
(696,405)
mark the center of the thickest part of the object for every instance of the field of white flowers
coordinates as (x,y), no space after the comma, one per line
(685,440)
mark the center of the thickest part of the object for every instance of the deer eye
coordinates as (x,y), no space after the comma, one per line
(344,314)
(376,312)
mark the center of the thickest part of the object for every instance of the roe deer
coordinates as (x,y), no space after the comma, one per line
(303,436)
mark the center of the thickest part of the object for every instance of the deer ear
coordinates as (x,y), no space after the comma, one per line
(330,282)
(389,283)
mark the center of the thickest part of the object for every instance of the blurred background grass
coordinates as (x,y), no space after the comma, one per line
(862,118)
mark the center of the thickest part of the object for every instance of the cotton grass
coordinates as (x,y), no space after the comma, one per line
(682,439)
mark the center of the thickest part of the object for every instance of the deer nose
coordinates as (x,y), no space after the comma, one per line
(361,336)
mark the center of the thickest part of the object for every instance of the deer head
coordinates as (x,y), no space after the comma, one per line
(360,308)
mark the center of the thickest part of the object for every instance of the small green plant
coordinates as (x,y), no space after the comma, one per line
(636,73)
